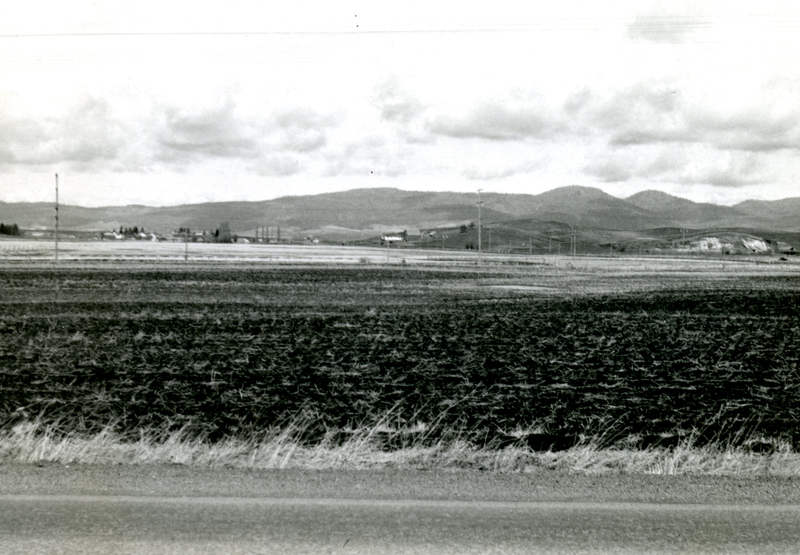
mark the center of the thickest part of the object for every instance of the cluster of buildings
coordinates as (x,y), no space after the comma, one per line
(138,236)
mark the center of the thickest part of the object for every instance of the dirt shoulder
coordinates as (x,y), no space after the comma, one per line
(179,481)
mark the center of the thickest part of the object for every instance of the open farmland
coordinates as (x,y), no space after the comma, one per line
(543,355)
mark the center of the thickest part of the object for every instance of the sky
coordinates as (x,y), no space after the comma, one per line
(165,103)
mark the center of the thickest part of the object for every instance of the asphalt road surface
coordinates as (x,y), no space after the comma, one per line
(167,510)
(146,525)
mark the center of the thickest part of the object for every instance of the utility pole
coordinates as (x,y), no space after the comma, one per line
(571,239)
(574,242)
(574,238)
(56,218)
(480,205)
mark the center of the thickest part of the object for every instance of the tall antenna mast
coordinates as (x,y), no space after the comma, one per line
(480,205)
(56,217)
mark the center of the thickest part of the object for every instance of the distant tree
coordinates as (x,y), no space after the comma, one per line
(135,230)
(463,228)
(12,229)
(472,225)
(225,235)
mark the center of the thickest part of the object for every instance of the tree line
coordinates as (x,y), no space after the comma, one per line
(128,231)
(9,229)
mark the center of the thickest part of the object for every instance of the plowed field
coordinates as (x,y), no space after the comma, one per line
(488,355)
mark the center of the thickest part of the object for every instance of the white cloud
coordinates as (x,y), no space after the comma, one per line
(519,98)
(300,130)
(86,136)
(371,155)
(187,135)
(502,120)
(608,171)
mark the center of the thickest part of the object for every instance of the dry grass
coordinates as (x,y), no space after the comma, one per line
(32,442)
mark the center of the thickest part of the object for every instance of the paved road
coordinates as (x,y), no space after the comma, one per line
(51,524)
(157,509)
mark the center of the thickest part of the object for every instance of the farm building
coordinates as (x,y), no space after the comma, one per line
(394,237)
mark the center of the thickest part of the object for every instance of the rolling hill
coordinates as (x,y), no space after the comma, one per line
(359,210)
(683,212)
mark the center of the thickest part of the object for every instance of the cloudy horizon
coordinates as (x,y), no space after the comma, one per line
(137,104)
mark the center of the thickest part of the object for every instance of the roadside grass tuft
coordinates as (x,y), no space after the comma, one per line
(366,448)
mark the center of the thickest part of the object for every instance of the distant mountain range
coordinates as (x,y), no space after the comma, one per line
(393,209)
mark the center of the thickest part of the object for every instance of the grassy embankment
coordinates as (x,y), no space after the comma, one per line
(497,369)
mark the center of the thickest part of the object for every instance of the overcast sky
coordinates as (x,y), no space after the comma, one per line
(141,102)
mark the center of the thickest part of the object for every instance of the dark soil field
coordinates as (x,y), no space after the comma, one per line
(545,358)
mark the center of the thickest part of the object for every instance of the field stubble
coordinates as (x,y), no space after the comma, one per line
(355,366)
